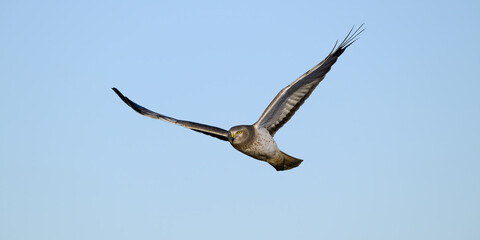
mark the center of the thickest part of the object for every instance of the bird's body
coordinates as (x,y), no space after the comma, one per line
(259,145)
(257,140)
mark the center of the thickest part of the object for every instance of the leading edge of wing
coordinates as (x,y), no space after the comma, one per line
(202,128)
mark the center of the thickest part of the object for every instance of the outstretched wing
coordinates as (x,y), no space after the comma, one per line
(205,129)
(289,99)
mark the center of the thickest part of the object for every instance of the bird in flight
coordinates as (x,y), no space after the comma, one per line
(256,140)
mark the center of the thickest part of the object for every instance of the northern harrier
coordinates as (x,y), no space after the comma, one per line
(257,140)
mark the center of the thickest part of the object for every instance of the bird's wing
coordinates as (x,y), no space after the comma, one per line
(205,129)
(289,99)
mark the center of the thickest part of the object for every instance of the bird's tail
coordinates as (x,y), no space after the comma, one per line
(288,162)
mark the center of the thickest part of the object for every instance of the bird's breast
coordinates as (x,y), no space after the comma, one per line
(262,147)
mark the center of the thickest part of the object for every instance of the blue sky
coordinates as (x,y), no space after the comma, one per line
(390,138)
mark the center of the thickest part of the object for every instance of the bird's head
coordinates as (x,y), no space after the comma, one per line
(239,134)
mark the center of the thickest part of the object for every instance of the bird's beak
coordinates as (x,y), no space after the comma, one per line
(231,137)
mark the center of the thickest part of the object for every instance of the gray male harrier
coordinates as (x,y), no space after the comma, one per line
(257,140)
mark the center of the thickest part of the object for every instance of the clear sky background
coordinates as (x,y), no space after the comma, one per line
(390,139)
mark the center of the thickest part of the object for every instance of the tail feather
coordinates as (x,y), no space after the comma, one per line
(287,162)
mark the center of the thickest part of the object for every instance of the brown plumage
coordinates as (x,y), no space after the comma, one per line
(257,140)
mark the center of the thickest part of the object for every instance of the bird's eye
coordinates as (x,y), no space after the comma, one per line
(239,132)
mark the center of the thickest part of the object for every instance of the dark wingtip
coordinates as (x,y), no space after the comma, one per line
(124,99)
(127,101)
(117,92)
(351,37)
